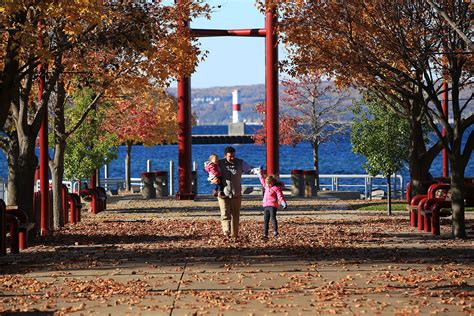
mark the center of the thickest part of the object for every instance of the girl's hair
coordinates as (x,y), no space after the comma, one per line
(212,156)
(271,179)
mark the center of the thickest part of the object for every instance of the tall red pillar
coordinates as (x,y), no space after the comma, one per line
(184,139)
(93,180)
(184,133)
(271,79)
(446,115)
(43,149)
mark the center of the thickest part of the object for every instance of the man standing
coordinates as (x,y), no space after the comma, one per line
(231,169)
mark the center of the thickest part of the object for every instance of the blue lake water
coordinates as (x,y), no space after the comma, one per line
(335,158)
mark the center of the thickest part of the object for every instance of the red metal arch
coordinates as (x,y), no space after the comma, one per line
(271,96)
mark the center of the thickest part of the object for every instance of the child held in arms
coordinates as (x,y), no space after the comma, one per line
(212,167)
(273,195)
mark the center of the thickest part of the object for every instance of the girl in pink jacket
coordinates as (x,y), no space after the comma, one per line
(272,196)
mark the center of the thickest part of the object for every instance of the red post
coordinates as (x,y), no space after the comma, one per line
(446,115)
(271,79)
(184,139)
(239,32)
(184,134)
(93,181)
(43,149)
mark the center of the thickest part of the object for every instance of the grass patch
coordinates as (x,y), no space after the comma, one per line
(379,206)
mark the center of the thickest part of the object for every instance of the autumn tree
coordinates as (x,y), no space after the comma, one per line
(148,119)
(380,135)
(121,44)
(320,109)
(402,51)
(141,46)
(30,40)
(288,128)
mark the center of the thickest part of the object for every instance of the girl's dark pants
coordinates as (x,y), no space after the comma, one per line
(270,212)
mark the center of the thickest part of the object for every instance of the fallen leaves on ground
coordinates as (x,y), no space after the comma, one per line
(371,263)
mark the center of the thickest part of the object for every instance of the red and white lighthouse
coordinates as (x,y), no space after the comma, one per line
(236,106)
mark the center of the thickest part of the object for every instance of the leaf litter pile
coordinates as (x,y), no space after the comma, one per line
(360,264)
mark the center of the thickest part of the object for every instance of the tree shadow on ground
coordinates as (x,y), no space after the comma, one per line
(107,252)
(111,257)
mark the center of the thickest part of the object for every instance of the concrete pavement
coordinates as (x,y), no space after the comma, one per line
(167,257)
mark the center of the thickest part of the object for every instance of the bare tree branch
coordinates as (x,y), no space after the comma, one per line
(453,25)
(84,115)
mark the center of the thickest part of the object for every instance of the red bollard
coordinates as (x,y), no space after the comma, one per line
(94,202)
(64,203)
(420,220)
(413,219)
(72,208)
(427,223)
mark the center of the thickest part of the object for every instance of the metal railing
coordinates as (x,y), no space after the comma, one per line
(369,183)
(334,182)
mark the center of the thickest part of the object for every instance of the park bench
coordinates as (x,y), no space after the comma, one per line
(426,209)
(409,194)
(75,207)
(436,193)
(97,197)
(414,201)
(17,225)
(71,205)
(436,208)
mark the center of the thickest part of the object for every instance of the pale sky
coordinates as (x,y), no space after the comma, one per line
(231,60)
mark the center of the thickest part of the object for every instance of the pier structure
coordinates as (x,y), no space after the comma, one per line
(271,100)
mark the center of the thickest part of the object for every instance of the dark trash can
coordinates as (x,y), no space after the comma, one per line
(148,180)
(161,183)
(310,183)
(297,183)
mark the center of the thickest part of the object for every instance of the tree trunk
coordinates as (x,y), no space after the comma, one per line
(316,164)
(128,186)
(57,164)
(418,164)
(389,195)
(57,173)
(457,197)
(25,174)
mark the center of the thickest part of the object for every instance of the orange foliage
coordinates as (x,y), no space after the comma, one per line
(148,118)
(288,128)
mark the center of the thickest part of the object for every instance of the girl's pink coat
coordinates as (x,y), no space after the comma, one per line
(213,169)
(273,195)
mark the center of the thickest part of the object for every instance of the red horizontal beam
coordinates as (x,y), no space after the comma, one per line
(242,32)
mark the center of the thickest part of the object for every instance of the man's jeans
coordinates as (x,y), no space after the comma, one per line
(230,214)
